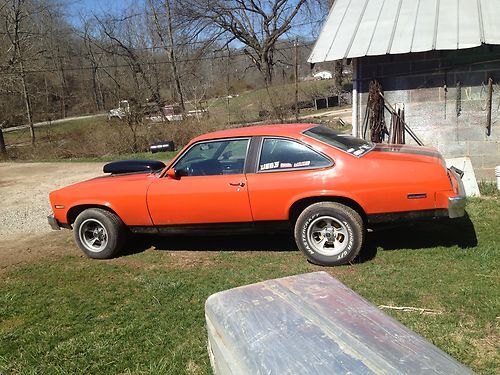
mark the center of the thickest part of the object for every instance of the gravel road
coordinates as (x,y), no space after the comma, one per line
(24,189)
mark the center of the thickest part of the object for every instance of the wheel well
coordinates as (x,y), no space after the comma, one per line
(301,204)
(73,212)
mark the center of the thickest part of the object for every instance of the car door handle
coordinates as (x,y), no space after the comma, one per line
(240,184)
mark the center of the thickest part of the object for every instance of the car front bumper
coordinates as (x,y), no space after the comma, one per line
(456,204)
(54,224)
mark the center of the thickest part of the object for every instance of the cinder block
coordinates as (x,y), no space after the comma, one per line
(471,133)
(485,174)
(396,68)
(426,95)
(495,132)
(483,148)
(453,149)
(491,161)
(477,161)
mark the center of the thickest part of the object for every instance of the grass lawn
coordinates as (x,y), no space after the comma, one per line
(58,130)
(143,313)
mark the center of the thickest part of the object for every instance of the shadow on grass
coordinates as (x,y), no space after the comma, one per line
(422,235)
(280,241)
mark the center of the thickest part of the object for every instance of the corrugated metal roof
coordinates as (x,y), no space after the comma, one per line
(356,28)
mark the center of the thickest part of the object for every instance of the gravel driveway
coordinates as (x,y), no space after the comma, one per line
(24,189)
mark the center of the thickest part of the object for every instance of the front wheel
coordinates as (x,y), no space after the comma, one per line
(329,233)
(100,234)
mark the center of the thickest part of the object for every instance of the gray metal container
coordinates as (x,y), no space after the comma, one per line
(313,324)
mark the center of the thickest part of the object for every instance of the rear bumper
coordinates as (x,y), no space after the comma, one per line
(456,207)
(456,204)
(54,224)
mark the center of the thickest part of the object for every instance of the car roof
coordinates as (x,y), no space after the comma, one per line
(291,130)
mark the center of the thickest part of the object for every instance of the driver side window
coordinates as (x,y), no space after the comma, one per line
(214,158)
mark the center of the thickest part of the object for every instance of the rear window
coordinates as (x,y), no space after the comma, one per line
(347,143)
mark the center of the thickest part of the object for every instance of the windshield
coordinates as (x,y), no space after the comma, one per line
(345,142)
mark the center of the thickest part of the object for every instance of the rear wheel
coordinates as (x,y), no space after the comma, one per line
(329,233)
(100,234)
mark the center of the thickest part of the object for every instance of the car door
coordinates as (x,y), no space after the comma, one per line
(212,187)
(285,169)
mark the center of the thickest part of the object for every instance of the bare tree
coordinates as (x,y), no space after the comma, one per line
(16,17)
(168,45)
(258,24)
(122,45)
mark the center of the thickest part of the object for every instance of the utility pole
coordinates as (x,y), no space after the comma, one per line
(227,86)
(296,79)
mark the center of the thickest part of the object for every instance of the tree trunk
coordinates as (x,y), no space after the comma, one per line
(3,149)
(27,103)
(172,56)
(337,71)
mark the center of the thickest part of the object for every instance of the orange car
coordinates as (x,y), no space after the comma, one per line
(329,187)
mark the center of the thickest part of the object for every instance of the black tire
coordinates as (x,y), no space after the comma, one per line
(105,228)
(342,229)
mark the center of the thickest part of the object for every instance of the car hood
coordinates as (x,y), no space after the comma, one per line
(106,184)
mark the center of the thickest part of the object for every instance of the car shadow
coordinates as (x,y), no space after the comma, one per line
(419,235)
(280,241)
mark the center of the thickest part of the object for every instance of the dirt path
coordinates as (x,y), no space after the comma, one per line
(53,122)
(24,206)
(24,189)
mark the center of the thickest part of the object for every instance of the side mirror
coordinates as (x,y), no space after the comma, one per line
(176,174)
(173,174)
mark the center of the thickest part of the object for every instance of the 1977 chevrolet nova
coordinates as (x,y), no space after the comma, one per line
(329,187)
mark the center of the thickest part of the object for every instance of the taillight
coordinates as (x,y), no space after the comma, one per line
(453,182)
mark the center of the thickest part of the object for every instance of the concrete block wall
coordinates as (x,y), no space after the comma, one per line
(426,83)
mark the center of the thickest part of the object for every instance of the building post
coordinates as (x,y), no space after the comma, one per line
(355,120)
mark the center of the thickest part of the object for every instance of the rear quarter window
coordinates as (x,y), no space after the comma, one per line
(351,145)
(283,154)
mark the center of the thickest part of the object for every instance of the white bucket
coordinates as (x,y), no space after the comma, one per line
(497,175)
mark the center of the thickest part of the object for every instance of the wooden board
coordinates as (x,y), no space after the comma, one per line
(313,324)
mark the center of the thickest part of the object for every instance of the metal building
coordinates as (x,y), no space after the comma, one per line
(438,58)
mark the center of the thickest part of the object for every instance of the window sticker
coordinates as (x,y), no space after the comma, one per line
(302,164)
(267,166)
(286,165)
(358,152)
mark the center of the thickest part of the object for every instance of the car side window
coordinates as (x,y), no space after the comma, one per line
(282,154)
(214,158)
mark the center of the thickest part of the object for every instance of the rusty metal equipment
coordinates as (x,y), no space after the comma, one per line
(374,114)
(489,106)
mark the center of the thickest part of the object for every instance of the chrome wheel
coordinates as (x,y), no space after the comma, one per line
(328,236)
(93,235)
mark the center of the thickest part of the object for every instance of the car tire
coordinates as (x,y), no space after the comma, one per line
(100,234)
(329,233)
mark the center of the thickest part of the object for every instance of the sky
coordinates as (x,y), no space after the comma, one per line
(77,7)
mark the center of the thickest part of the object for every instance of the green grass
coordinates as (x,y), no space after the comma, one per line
(55,130)
(144,313)
(161,156)
(246,106)
(488,188)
